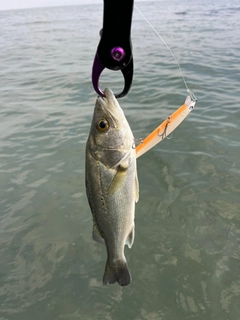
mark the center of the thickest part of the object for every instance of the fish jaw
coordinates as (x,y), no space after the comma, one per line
(112,105)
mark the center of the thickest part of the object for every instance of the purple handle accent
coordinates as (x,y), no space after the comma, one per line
(117,53)
(97,69)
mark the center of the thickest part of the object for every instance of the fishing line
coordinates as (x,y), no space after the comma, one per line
(170,50)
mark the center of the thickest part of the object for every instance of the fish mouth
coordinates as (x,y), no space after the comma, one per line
(110,105)
(109,95)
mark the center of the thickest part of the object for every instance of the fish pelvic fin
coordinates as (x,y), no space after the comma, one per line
(117,272)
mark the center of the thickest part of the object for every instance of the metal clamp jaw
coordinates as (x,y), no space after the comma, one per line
(115,49)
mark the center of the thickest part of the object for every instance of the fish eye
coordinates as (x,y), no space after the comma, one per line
(102,125)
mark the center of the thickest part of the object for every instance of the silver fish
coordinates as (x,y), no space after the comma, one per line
(112,184)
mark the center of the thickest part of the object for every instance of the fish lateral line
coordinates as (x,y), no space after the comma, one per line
(166,127)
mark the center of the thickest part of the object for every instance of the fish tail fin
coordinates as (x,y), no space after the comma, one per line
(117,271)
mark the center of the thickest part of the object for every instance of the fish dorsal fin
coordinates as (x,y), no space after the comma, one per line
(118,179)
(96,235)
(130,238)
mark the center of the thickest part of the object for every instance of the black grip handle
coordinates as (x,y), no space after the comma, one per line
(116,33)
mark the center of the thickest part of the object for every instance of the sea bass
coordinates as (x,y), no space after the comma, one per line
(112,184)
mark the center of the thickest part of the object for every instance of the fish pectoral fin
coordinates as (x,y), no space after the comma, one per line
(130,238)
(136,188)
(96,235)
(118,180)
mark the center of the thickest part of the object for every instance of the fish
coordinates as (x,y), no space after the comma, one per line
(112,184)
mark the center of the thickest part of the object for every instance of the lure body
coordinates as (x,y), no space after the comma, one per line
(166,127)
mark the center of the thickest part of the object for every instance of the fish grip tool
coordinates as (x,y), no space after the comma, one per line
(114,50)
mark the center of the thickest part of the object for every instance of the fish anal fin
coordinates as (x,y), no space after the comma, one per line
(96,235)
(130,238)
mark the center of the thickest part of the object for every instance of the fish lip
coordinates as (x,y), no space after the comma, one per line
(110,106)
(110,100)
(101,100)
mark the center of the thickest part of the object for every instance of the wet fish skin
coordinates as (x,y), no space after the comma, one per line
(112,185)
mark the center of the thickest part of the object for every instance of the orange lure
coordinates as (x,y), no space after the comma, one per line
(166,127)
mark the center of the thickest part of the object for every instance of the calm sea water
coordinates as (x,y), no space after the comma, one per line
(185,261)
